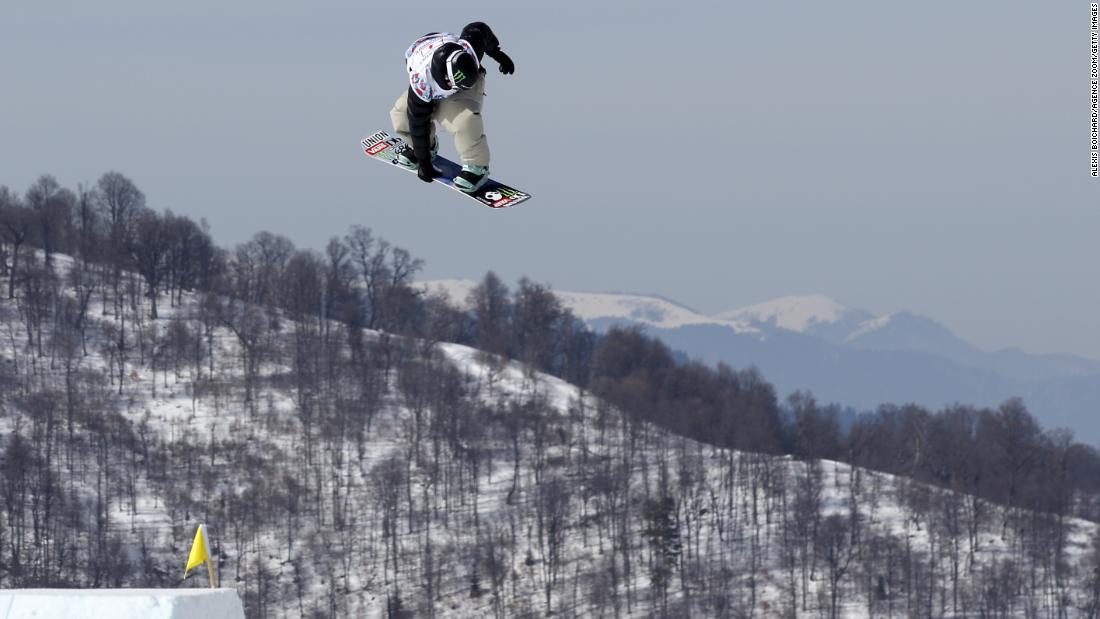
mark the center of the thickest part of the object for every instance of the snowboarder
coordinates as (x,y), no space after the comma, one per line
(447,84)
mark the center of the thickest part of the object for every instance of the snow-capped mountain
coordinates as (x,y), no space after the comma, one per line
(601,308)
(812,314)
(908,331)
(850,356)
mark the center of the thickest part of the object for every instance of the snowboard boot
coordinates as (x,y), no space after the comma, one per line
(472,177)
(406,158)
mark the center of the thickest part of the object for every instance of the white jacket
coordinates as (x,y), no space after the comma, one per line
(418,60)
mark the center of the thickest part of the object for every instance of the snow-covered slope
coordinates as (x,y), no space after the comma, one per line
(649,310)
(120,604)
(794,313)
(441,481)
(628,308)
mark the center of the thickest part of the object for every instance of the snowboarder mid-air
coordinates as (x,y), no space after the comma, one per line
(447,84)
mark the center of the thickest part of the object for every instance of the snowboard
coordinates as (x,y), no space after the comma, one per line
(494,194)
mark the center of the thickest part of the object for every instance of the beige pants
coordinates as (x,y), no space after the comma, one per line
(459,114)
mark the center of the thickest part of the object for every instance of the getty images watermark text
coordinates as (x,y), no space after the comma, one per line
(1094,90)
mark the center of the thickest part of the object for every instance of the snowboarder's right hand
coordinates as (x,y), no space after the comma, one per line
(507,67)
(427,173)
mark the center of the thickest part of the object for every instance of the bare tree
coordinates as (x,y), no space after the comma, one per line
(552,517)
(148,248)
(119,200)
(662,532)
(492,312)
(390,478)
(15,225)
(51,205)
(834,546)
(1091,583)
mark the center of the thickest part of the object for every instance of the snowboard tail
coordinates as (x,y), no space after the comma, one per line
(493,194)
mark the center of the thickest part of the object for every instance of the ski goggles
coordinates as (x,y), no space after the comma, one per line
(458,78)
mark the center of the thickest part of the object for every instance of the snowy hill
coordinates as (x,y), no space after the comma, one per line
(850,356)
(811,314)
(382,476)
(597,307)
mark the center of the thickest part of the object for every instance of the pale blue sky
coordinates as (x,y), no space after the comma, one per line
(925,156)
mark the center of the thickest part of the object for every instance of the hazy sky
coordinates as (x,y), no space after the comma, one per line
(929,156)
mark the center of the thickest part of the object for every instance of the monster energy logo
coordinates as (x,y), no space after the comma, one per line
(459,76)
(508,192)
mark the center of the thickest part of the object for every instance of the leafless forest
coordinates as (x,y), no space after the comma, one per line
(361,449)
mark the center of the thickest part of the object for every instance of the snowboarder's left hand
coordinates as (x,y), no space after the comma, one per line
(507,67)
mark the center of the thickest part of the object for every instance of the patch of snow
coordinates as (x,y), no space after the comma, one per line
(870,325)
(457,290)
(121,604)
(589,306)
(794,313)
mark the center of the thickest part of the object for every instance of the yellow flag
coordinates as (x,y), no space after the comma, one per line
(198,551)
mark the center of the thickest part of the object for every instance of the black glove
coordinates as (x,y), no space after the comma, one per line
(507,67)
(426,172)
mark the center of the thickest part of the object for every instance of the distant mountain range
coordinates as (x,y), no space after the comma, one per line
(852,357)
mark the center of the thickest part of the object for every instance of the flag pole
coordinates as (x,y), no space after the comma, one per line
(209,563)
